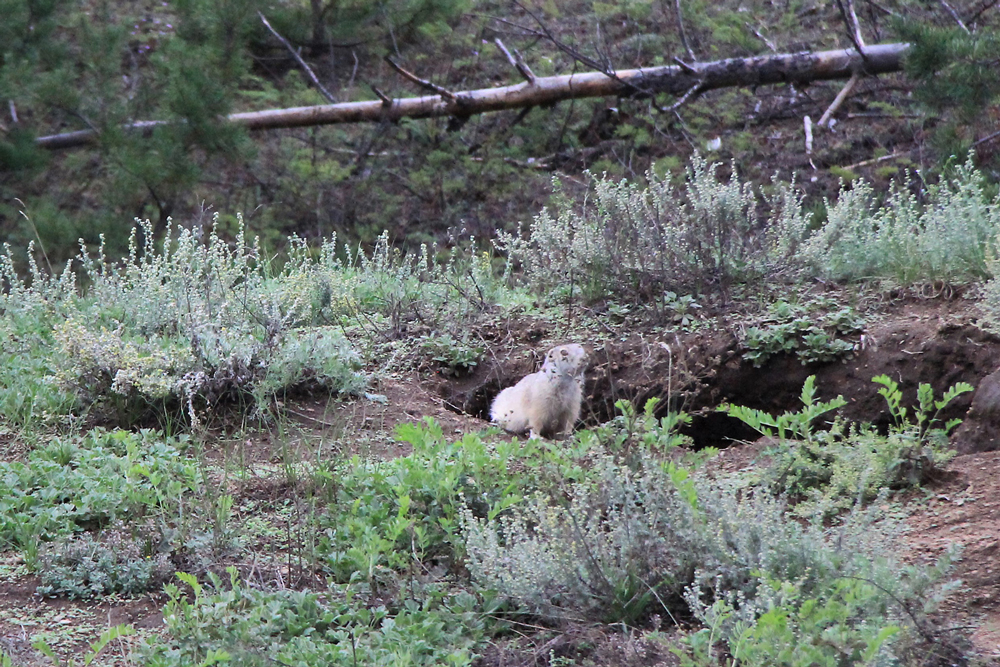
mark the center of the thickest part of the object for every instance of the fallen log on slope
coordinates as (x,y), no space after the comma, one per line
(677,80)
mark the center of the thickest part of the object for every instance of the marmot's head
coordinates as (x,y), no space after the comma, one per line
(571,359)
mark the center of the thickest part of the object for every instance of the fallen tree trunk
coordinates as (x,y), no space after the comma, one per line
(674,79)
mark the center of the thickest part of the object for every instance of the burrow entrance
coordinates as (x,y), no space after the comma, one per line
(921,342)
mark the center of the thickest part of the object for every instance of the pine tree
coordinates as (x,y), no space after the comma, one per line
(958,77)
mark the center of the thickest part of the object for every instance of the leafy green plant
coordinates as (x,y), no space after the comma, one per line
(233,622)
(683,308)
(926,410)
(84,567)
(829,470)
(139,484)
(459,356)
(93,480)
(792,328)
(633,433)
(790,425)
(388,513)
(387,516)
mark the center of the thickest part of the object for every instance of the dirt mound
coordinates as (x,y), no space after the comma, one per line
(918,341)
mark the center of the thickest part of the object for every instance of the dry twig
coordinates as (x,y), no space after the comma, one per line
(853,26)
(838,100)
(518,62)
(443,92)
(298,58)
(954,15)
(680,24)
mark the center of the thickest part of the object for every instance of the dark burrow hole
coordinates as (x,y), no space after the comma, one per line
(708,427)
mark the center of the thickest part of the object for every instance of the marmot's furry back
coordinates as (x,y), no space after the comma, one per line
(547,402)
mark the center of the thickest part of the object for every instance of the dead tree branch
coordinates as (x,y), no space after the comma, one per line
(517,63)
(386,100)
(565,48)
(785,68)
(989,4)
(853,25)
(423,83)
(689,96)
(838,100)
(986,139)
(680,25)
(958,19)
(767,42)
(298,58)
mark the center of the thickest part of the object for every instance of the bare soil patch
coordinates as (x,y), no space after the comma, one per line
(964,510)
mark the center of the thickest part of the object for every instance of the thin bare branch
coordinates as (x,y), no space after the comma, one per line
(954,15)
(424,83)
(680,25)
(887,12)
(876,114)
(522,64)
(684,66)
(865,163)
(354,71)
(858,39)
(986,139)
(565,48)
(517,63)
(692,94)
(761,37)
(988,5)
(386,100)
(298,58)
(853,26)
(838,100)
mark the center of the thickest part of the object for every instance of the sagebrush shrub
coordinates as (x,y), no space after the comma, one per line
(948,236)
(647,538)
(195,322)
(604,554)
(180,325)
(642,241)
(28,309)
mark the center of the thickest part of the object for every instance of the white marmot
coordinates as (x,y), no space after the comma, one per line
(547,402)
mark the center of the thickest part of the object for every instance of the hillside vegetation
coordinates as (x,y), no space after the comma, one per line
(244,377)
(155,404)
(69,66)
